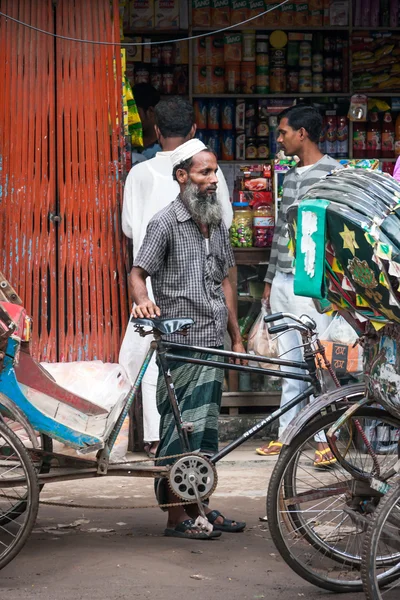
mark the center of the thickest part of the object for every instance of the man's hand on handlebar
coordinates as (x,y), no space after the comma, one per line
(146,310)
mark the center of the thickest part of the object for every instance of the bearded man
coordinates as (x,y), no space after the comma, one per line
(187,254)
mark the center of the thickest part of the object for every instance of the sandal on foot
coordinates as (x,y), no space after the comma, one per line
(269,451)
(227,526)
(324,463)
(185,530)
(147,449)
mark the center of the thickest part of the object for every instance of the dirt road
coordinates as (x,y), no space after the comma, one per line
(77,554)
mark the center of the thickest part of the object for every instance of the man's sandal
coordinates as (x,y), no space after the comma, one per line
(269,451)
(324,463)
(227,526)
(185,530)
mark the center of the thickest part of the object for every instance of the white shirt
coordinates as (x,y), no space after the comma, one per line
(149,188)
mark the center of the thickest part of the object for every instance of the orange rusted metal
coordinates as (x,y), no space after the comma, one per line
(61,191)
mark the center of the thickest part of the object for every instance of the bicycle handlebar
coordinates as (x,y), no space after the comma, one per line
(303,321)
(278,328)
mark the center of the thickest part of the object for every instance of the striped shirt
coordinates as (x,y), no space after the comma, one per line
(295,186)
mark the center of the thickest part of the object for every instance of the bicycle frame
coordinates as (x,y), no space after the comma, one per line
(162,349)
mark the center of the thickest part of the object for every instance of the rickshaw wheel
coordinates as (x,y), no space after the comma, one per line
(41,465)
(18,478)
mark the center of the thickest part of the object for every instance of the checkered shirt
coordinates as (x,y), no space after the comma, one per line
(186,281)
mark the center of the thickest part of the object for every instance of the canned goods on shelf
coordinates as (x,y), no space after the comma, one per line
(232,77)
(249,46)
(251,149)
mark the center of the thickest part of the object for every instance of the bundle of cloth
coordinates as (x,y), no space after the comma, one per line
(346,240)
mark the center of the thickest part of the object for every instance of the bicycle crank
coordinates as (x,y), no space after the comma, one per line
(193,477)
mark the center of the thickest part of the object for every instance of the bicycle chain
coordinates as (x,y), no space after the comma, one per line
(97,507)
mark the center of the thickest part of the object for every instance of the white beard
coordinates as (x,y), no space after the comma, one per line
(203,207)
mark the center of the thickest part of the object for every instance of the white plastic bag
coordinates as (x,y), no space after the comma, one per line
(104,384)
(260,341)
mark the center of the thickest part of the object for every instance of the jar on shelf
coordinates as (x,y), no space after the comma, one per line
(305,54)
(263,225)
(305,81)
(241,232)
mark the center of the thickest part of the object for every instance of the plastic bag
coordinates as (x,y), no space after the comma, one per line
(104,384)
(342,350)
(261,342)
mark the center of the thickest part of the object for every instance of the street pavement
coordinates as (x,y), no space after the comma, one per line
(103,554)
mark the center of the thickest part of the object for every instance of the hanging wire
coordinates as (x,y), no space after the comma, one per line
(193,37)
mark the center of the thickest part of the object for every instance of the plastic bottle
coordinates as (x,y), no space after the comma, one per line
(374,136)
(397,137)
(342,139)
(359,139)
(388,136)
(241,232)
(331,133)
(263,224)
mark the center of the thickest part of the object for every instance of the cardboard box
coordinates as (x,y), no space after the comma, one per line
(215,50)
(133,53)
(166,14)
(215,79)
(256,7)
(220,13)
(182,53)
(287,14)
(201,13)
(239,9)
(232,47)
(141,14)
(301,14)
(316,18)
(200,51)
(273,17)
(200,79)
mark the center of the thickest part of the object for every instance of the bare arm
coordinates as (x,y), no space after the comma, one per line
(233,325)
(145,308)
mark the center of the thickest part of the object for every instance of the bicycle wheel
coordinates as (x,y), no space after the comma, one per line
(383,536)
(42,465)
(317,517)
(18,480)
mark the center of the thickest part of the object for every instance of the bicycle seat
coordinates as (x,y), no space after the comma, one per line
(164,326)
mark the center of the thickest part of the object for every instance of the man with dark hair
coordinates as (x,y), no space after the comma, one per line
(299,132)
(187,254)
(146,98)
(149,188)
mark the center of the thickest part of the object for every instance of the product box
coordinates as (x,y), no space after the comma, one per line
(239,10)
(133,53)
(316,4)
(273,17)
(141,14)
(215,79)
(252,197)
(200,52)
(200,79)
(215,50)
(287,14)
(316,18)
(232,47)
(339,13)
(240,115)
(182,53)
(166,14)
(256,7)
(220,13)
(201,13)
(301,14)
(240,153)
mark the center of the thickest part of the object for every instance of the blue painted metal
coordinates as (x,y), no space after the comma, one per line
(39,421)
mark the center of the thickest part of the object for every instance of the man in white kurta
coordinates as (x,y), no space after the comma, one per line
(149,188)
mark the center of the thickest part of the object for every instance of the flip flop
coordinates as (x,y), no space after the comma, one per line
(266,452)
(147,449)
(183,530)
(227,526)
(324,463)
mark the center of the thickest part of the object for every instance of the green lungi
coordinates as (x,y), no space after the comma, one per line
(198,389)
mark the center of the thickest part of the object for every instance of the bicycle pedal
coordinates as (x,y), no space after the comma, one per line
(204,524)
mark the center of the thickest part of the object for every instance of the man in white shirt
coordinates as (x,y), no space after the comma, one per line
(149,188)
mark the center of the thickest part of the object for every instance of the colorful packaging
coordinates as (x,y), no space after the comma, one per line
(166,14)
(248,77)
(240,115)
(238,11)
(215,79)
(201,13)
(233,47)
(141,14)
(232,77)
(240,152)
(200,52)
(215,50)
(316,18)
(200,113)
(287,14)
(301,14)
(200,79)
(273,16)
(256,7)
(220,13)
(228,145)
(227,114)
(214,142)
(133,53)
(339,12)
